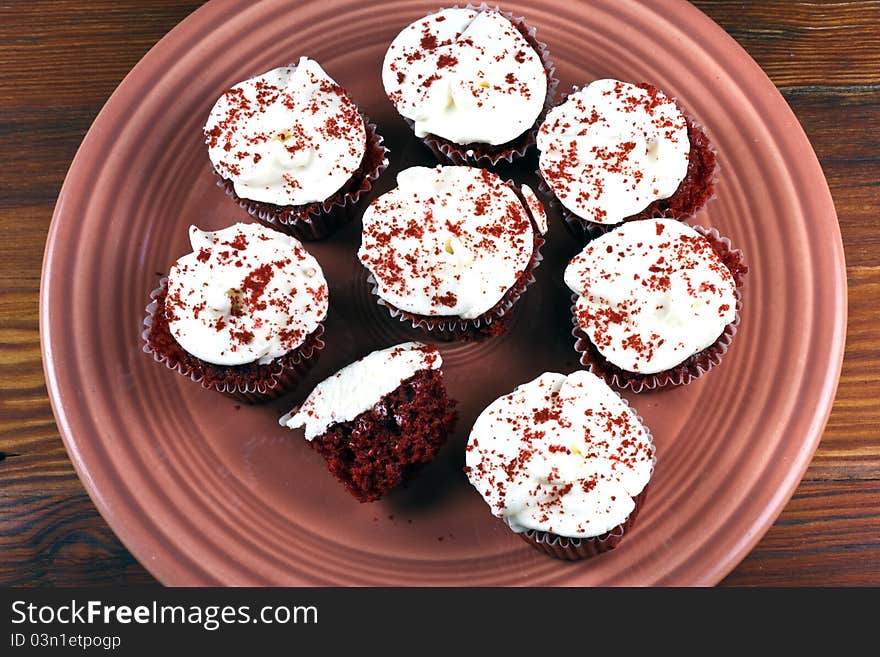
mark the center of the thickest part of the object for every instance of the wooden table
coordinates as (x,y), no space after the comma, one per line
(61,59)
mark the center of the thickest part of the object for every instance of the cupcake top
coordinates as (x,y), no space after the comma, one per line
(466,75)
(360,386)
(560,454)
(448,241)
(613,148)
(245,294)
(287,137)
(651,293)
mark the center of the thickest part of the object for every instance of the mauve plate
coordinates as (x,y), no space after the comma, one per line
(205,492)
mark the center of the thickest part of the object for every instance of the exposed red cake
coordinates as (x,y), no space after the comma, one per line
(248,383)
(382,448)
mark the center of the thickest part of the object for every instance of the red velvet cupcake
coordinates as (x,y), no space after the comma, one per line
(451,249)
(378,421)
(615,152)
(474,83)
(657,302)
(564,462)
(242,314)
(291,148)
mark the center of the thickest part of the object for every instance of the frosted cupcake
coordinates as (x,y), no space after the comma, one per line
(291,147)
(564,462)
(615,152)
(657,302)
(473,83)
(451,249)
(241,314)
(378,421)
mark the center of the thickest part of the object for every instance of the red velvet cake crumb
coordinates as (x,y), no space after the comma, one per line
(384,447)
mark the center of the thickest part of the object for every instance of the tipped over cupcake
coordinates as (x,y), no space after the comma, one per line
(379,420)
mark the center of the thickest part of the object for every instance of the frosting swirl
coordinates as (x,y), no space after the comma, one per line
(360,386)
(613,148)
(290,136)
(560,454)
(465,75)
(651,293)
(245,294)
(448,241)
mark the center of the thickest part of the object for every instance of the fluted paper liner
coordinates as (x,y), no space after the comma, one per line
(585,231)
(692,368)
(315,221)
(484,155)
(275,378)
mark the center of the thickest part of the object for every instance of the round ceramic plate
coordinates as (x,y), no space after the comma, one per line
(204,491)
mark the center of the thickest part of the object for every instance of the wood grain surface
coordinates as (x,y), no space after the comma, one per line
(61,59)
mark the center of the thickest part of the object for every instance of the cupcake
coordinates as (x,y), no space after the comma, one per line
(564,462)
(242,314)
(292,149)
(615,152)
(473,83)
(451,249)
(657,302)
(378,421)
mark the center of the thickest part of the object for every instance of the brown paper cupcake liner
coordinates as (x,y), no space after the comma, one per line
(315,221)
(575,549)
(491,323)
(251,383)
(700,181)
(692,368)
(484,155)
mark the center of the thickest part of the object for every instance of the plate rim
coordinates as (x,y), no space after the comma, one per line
(165,570)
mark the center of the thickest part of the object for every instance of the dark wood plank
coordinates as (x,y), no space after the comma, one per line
(805,45)
(850,447)
(54,540)
(827,535)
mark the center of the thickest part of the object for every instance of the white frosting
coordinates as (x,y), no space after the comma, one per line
(561,454)
(465,75)
(536,209)
(245,294)
(613,148)
(359,386)
(448,241)
(288,137)
(651,294)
